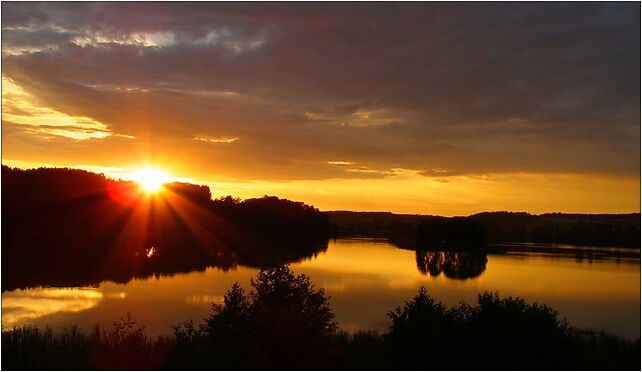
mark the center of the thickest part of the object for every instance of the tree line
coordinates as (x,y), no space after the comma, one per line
(73,200)
(601,230)
(73,227)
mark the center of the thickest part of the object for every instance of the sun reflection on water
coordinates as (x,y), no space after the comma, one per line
(21,305)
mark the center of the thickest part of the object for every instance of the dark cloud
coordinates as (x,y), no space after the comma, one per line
(465,88)
(38,38)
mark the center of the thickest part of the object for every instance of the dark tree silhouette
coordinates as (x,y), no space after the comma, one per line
(293,320)
(453,232)
(420,335)
(200,195)
(284,323)
(616,230)
(496,333)
(506,226)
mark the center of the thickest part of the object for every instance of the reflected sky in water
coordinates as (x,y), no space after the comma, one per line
(365,278)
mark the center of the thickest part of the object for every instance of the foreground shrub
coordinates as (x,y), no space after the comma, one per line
(284,323)
(497,333)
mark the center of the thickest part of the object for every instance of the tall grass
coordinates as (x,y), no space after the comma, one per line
(122,347)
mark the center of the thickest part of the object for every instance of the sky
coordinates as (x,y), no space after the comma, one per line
(432,108)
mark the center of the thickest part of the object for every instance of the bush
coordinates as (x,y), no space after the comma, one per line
(494,334)
(284,323)
(422,335)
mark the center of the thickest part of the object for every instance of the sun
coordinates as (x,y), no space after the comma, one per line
(151,179)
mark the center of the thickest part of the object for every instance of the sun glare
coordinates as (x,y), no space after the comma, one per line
(151,179)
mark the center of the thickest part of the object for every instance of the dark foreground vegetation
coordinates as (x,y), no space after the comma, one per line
(72,227)
(285,323)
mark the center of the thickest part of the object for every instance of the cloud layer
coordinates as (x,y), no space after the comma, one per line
(283,92)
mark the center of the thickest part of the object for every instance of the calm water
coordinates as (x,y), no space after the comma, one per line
(365,278)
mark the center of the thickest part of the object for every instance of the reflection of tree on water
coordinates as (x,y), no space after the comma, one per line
(39,260)
(454,265)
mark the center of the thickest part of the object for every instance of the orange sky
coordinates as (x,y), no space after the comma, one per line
(407,192)
(410,108)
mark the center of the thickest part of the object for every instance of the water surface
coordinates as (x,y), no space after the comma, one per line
(365,278)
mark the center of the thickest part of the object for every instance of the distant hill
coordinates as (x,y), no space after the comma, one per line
(614,230)
(381,224)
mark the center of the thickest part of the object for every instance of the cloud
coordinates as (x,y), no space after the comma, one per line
(19,110)
(481,88)
(216,140)
(438,172)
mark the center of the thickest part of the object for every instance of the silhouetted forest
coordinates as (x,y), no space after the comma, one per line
(600,230)
(285,323)
(451,232)
(73,227)
(619,230)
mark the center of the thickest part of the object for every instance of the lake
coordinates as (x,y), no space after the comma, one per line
(365,278)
